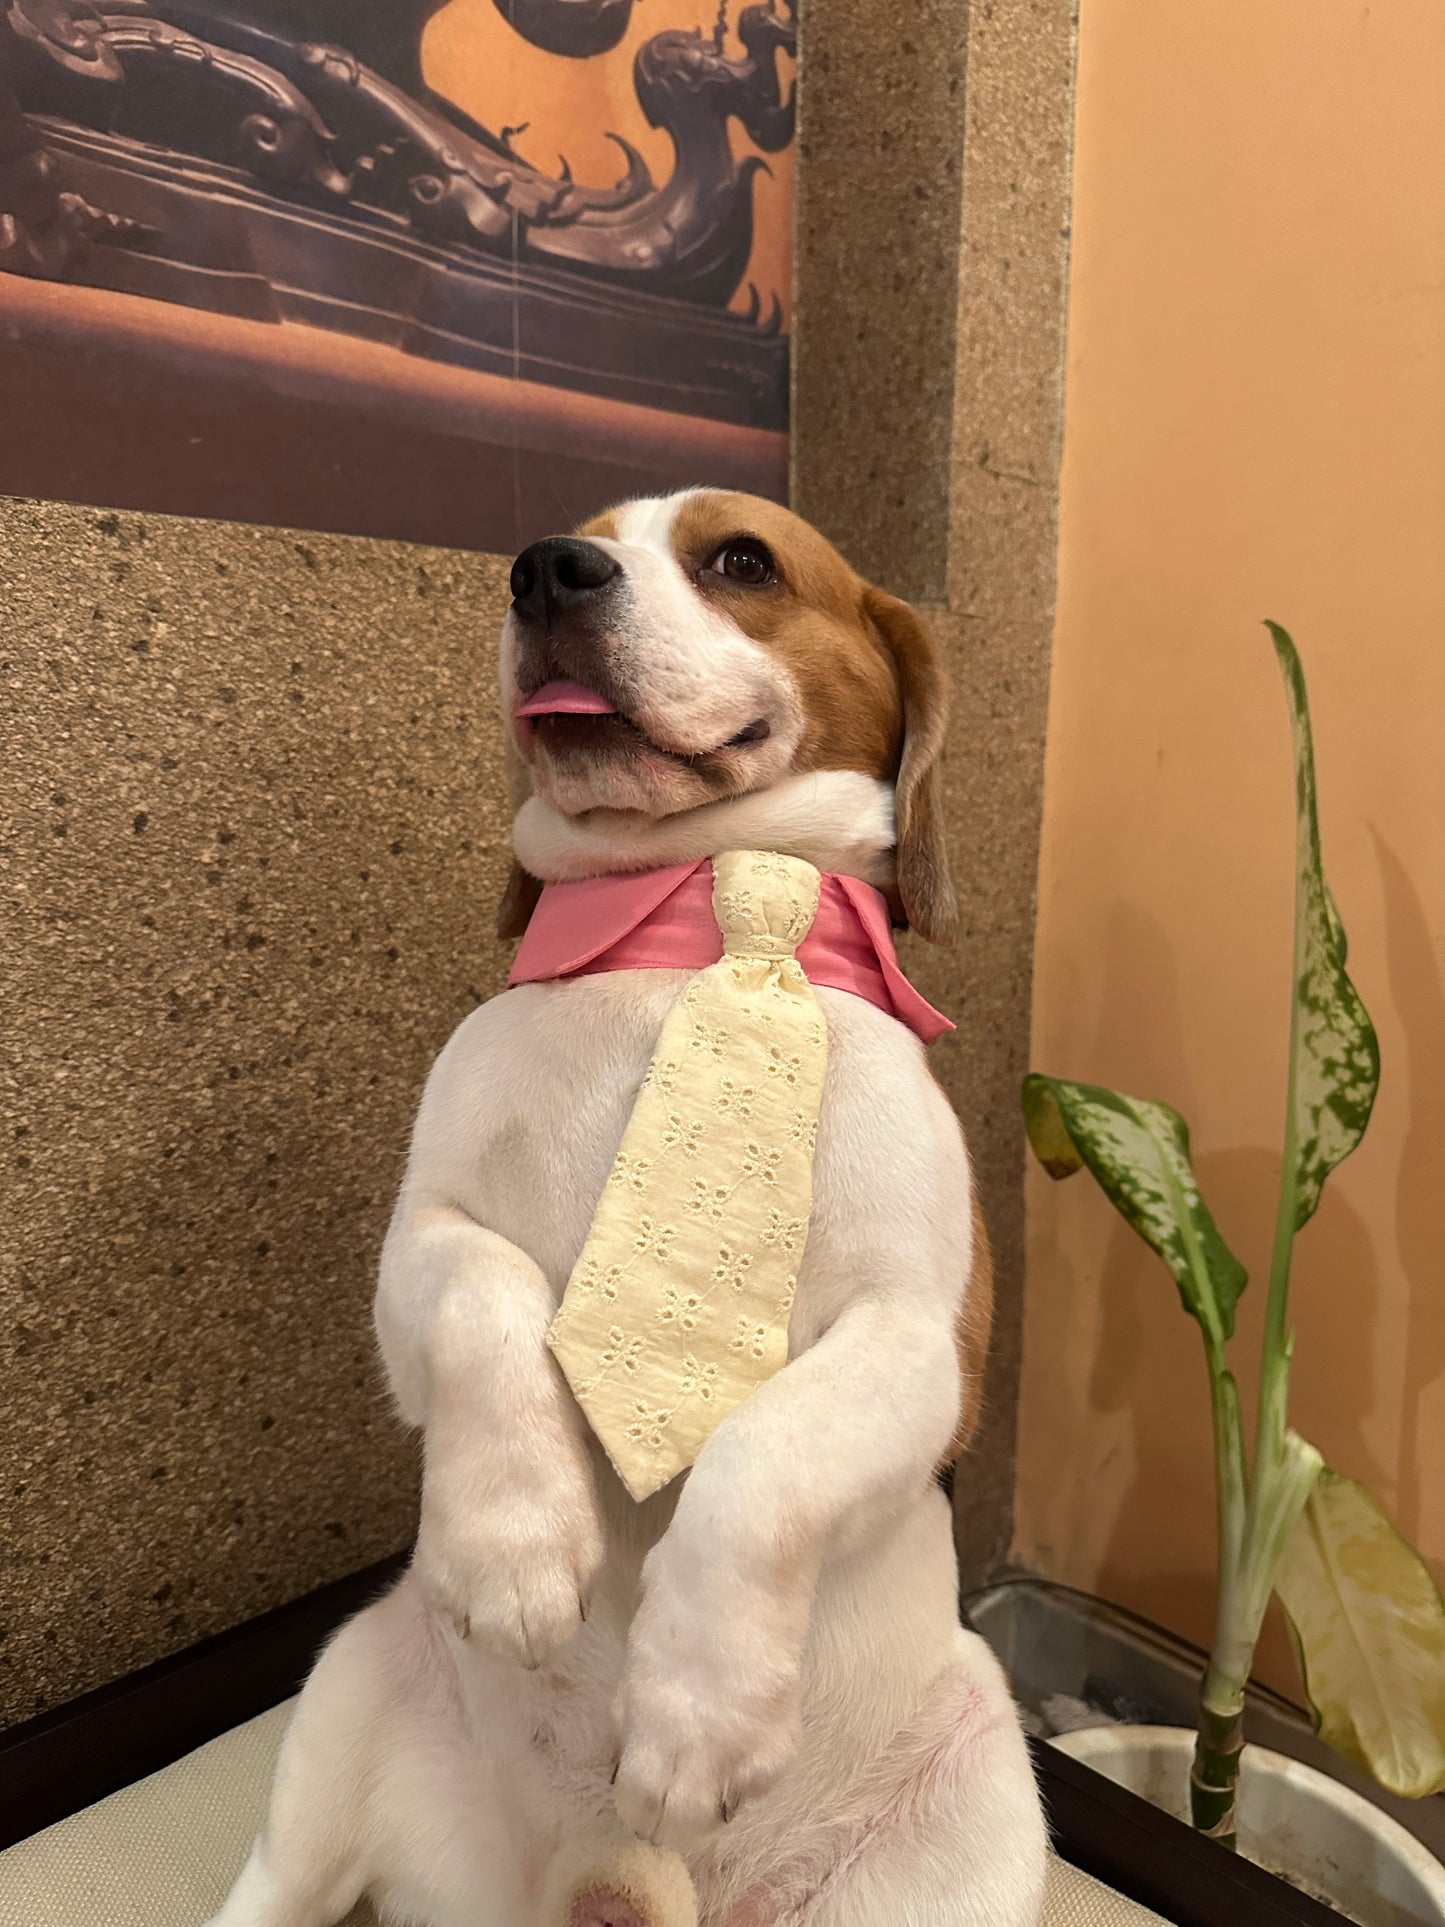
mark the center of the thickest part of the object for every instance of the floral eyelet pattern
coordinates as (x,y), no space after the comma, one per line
(678,1306)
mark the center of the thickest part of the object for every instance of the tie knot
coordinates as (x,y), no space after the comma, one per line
(764,902)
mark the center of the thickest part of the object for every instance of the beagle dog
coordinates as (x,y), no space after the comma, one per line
(746,1701)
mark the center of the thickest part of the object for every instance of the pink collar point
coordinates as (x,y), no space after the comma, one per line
(663,920)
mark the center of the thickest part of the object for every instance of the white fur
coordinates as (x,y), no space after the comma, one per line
(843,818)
(767,1654)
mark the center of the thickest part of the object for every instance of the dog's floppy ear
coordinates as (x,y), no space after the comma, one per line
(519,899)
(924,884)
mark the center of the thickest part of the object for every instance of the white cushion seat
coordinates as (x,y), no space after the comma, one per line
(163,1853)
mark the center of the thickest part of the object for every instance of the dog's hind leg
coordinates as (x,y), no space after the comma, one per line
(945,1831)
(262,1897)
(306,1868)
(384,1789)
(977,1859)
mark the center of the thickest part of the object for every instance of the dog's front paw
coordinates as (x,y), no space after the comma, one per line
(513,1579)
(678,1792)
(710,1716)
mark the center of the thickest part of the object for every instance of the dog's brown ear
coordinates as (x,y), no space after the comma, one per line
(924,884)
(519,900)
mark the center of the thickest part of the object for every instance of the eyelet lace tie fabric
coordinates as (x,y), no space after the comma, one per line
(678,1306)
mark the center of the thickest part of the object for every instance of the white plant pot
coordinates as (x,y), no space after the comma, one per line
(1293,1820)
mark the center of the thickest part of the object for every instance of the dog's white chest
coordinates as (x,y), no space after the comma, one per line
(533,1093)
(526,1107)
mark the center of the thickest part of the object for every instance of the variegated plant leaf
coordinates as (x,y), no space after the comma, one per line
(1368,1624)
(1335,1059)
(1138,1150)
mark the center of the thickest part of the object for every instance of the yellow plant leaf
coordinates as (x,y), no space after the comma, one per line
(1368,1624)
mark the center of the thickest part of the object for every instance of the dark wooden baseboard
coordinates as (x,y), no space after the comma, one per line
(53,1766)
(1152,1858)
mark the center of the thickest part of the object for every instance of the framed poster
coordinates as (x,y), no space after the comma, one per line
(456,271)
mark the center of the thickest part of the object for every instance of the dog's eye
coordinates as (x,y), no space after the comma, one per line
(744,559)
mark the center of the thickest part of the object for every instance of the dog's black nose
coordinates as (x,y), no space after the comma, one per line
(553,576)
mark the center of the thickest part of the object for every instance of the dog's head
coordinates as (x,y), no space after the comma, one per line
(678,652)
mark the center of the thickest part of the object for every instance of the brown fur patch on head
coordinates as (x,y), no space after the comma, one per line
(604,525)
(813,621)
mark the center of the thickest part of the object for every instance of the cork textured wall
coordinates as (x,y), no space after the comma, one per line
(253,808)
(880,150)
(256,827)
(928,370)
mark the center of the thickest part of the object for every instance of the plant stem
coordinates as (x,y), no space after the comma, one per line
(1215,1771)
(1275,1347)
(1258,1505)
(1247,1568)
(1230,1485)
(1214,1776)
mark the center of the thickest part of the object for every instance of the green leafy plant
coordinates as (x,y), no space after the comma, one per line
(1366,1618)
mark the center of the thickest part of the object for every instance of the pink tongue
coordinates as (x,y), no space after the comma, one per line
(566,699)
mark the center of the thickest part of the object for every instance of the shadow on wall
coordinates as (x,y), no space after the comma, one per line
(1417,989)
(1148,1554)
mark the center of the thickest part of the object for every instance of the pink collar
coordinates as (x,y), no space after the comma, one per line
(663,920)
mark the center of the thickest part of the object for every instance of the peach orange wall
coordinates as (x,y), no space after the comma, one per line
(1255,426)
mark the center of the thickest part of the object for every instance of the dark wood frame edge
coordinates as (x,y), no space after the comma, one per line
(61,1761)
(52,1766)
(1158,1861)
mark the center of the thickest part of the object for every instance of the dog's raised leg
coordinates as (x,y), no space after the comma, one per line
(512,1536)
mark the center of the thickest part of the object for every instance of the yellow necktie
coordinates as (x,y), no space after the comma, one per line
(678,1306)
